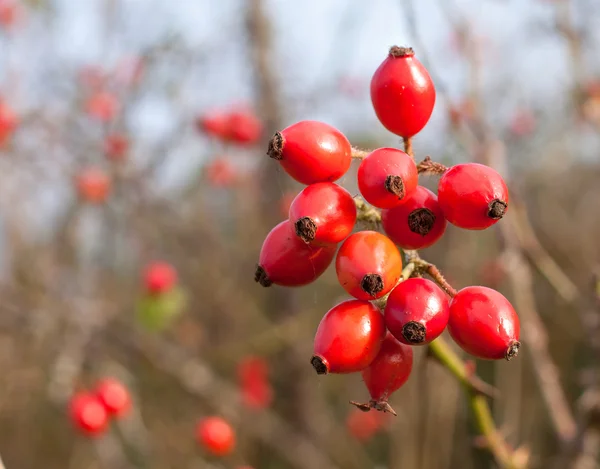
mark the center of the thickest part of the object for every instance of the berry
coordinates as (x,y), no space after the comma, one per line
(402,93)
(386,374)
(363,425)
(368,265)
(214,123)
(323,213)
(244,127)
(116,147)
(159,277)
(9,13)
(88,414)
(386,177)
(417,223)
(221,173)
(472,196)
(93,185)
(484,323)
(215,435)
(288,261)
(348,338)
(312,151)
(257,395)
(417,311)
(103,106)
(8,122)
(114,396)
(252,369)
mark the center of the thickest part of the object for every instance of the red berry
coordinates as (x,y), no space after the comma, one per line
(8,122)
(386,177)
(9,13)
(159,277)
(311,151)
(88,414)
(484,323)
(368,265)
(214,123)
(386,374)
(216,436)
(252,369)
(244,127)
(288,261)
(116,147)
(417,311)
(221,173)
(472,196)
(402,93)
(323,213)
(103,106)
(363,425)
(348,338)
(93,185)
(417,223)
(257,395)
(114,396)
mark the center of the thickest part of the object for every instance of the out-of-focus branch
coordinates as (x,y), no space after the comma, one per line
(197,378)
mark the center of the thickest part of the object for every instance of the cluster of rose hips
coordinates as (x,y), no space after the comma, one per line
(91,411)
(354,336)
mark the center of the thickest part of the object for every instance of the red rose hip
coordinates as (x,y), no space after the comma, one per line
(402,93)
(312,151)
(386,177)
(348,338)
(159,277)
(417,223)
(484,323)
(216,436)
(368,265)
(386,374)
(288,261)
(323,213)
(114,396)
(88,414)
(417,311)
(472,196)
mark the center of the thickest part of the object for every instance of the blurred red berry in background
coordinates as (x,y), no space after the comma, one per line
(93,185)
(215,435)
(102,106)
(10,13)
(116,147)
(221,173)
(114,396)
(159,277)
(244,127)
(364,425)
(9,122)
(214,124)
(88,414)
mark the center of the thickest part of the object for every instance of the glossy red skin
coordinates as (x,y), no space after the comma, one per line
(88,414)
(403,95)
(349,336)
(374,170)
(244,127)
(114,396)
(389,370)
(93,185)
(116,147)
(159,277)
(395,220)
(289,261)
(483,322)
(419,300)
(330,206)
(368,252)
(465,192)
(216,436)
(315,152)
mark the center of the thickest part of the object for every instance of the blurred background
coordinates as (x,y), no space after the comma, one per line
(117,150)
